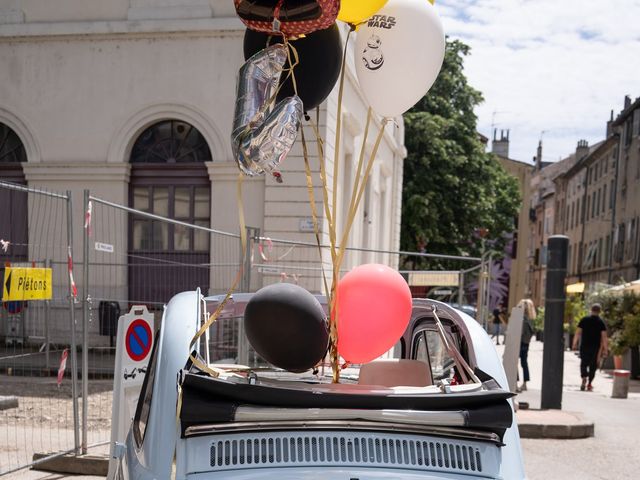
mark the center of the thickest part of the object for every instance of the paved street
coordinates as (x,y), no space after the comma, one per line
(612,453)
(34,475)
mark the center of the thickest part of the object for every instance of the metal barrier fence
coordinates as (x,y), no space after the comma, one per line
(137,257)
(134,257)
(274,260)
(38,409)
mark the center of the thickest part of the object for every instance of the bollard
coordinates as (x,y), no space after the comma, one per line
(555,296)
(620,383)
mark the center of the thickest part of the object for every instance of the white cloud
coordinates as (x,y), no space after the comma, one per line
(558,66)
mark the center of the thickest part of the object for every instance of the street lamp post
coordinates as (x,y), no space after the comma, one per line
(483,287)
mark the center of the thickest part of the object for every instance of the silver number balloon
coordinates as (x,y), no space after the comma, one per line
(263,133)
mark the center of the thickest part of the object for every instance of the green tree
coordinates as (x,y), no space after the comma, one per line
(452,187)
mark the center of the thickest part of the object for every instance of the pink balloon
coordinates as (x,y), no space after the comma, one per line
(374,309)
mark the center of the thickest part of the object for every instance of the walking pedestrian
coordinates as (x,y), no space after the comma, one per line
(498,320)
(525,339)
(591,335)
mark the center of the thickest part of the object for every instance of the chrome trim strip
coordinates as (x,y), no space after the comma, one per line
(217,428)
(441,418)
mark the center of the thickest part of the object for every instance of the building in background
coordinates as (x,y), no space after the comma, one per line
(624,260)
(544,205)
(592,197)
(516,255)
(601,215)
(585,211)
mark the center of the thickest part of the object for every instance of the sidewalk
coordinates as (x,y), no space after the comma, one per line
(560,424)
(557,424)
(577,418)
(611,452)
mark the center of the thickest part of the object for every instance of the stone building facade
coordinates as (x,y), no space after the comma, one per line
(604,236)
(624,263)
(592,197)
(585,211)
(542,218)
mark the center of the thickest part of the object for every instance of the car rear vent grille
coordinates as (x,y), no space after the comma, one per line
(330,449)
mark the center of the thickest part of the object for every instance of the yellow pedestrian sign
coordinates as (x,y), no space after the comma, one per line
(26,284)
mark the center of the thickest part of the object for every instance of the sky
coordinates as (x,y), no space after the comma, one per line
(550,69)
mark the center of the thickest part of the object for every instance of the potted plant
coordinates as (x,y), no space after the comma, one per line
(618,347)
(632,325)
(632,334)
(622,316)
(611,307)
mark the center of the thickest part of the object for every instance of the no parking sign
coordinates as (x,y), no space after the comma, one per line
(133,352)
(134,344)
(138,339)
(13,307)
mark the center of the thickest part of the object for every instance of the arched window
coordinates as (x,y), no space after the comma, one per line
(169,178)
(13,216)
(12,155)
(171,141)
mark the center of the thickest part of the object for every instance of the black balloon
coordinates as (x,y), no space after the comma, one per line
(320,58)
(287,326)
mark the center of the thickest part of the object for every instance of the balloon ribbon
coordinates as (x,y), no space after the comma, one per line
(360,182)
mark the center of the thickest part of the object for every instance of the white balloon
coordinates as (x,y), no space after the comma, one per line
(399,53)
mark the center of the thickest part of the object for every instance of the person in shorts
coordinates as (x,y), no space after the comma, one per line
(591,336)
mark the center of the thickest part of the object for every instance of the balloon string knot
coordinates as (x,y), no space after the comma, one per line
(345,365)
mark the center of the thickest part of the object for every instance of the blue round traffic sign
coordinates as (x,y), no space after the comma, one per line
(13,307)
(138,340)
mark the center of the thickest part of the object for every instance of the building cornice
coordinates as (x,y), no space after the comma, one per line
(626,112)
(588,159)
(213,27)
(76,172)
(229,171)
